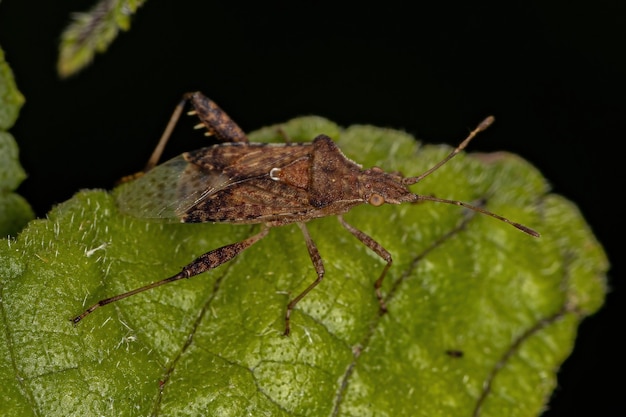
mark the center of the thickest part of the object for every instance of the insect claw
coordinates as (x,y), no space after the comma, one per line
(199,126)
(192,113)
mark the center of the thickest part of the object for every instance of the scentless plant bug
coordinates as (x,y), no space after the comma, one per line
(270,184)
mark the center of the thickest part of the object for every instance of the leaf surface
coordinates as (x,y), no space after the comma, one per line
(480,317)
(15,212)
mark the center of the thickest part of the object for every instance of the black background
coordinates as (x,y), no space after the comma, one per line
(552,73)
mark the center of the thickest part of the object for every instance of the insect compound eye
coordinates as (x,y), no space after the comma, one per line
(376,200)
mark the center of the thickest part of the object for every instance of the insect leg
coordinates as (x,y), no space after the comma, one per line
(380,251)
(319,269)
(206,262)
(217,122)
(158,150)
(215,119)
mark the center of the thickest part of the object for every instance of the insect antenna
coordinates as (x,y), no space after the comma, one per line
(481,127)
(481,210)
(488,121)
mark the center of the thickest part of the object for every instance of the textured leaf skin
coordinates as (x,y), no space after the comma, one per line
(11,99)
(480,317)
(15,212)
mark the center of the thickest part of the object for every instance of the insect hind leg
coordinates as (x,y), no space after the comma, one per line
(211,116)
(215,119)
(204,263)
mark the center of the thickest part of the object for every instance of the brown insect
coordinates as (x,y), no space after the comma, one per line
(271,184)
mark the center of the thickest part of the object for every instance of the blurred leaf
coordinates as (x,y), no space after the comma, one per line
(15,212)
(11,100)
(93,32)
(480,317)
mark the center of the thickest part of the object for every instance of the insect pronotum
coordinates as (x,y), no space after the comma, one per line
(270,184)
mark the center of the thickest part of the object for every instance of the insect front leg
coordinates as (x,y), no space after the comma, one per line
(319,269)
(206,262)
(211,116)
(379,250)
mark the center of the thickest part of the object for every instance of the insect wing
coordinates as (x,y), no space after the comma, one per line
(241,162)
(247,167)
(172,190)
(168,190)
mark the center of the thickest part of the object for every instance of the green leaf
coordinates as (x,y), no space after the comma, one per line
(15,212)
(11,99)
(480,316)
(93,32)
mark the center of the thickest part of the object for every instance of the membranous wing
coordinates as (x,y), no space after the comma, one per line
(157,194)
(223,183)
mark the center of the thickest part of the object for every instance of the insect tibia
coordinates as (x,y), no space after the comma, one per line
(171,124)
(481,210)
